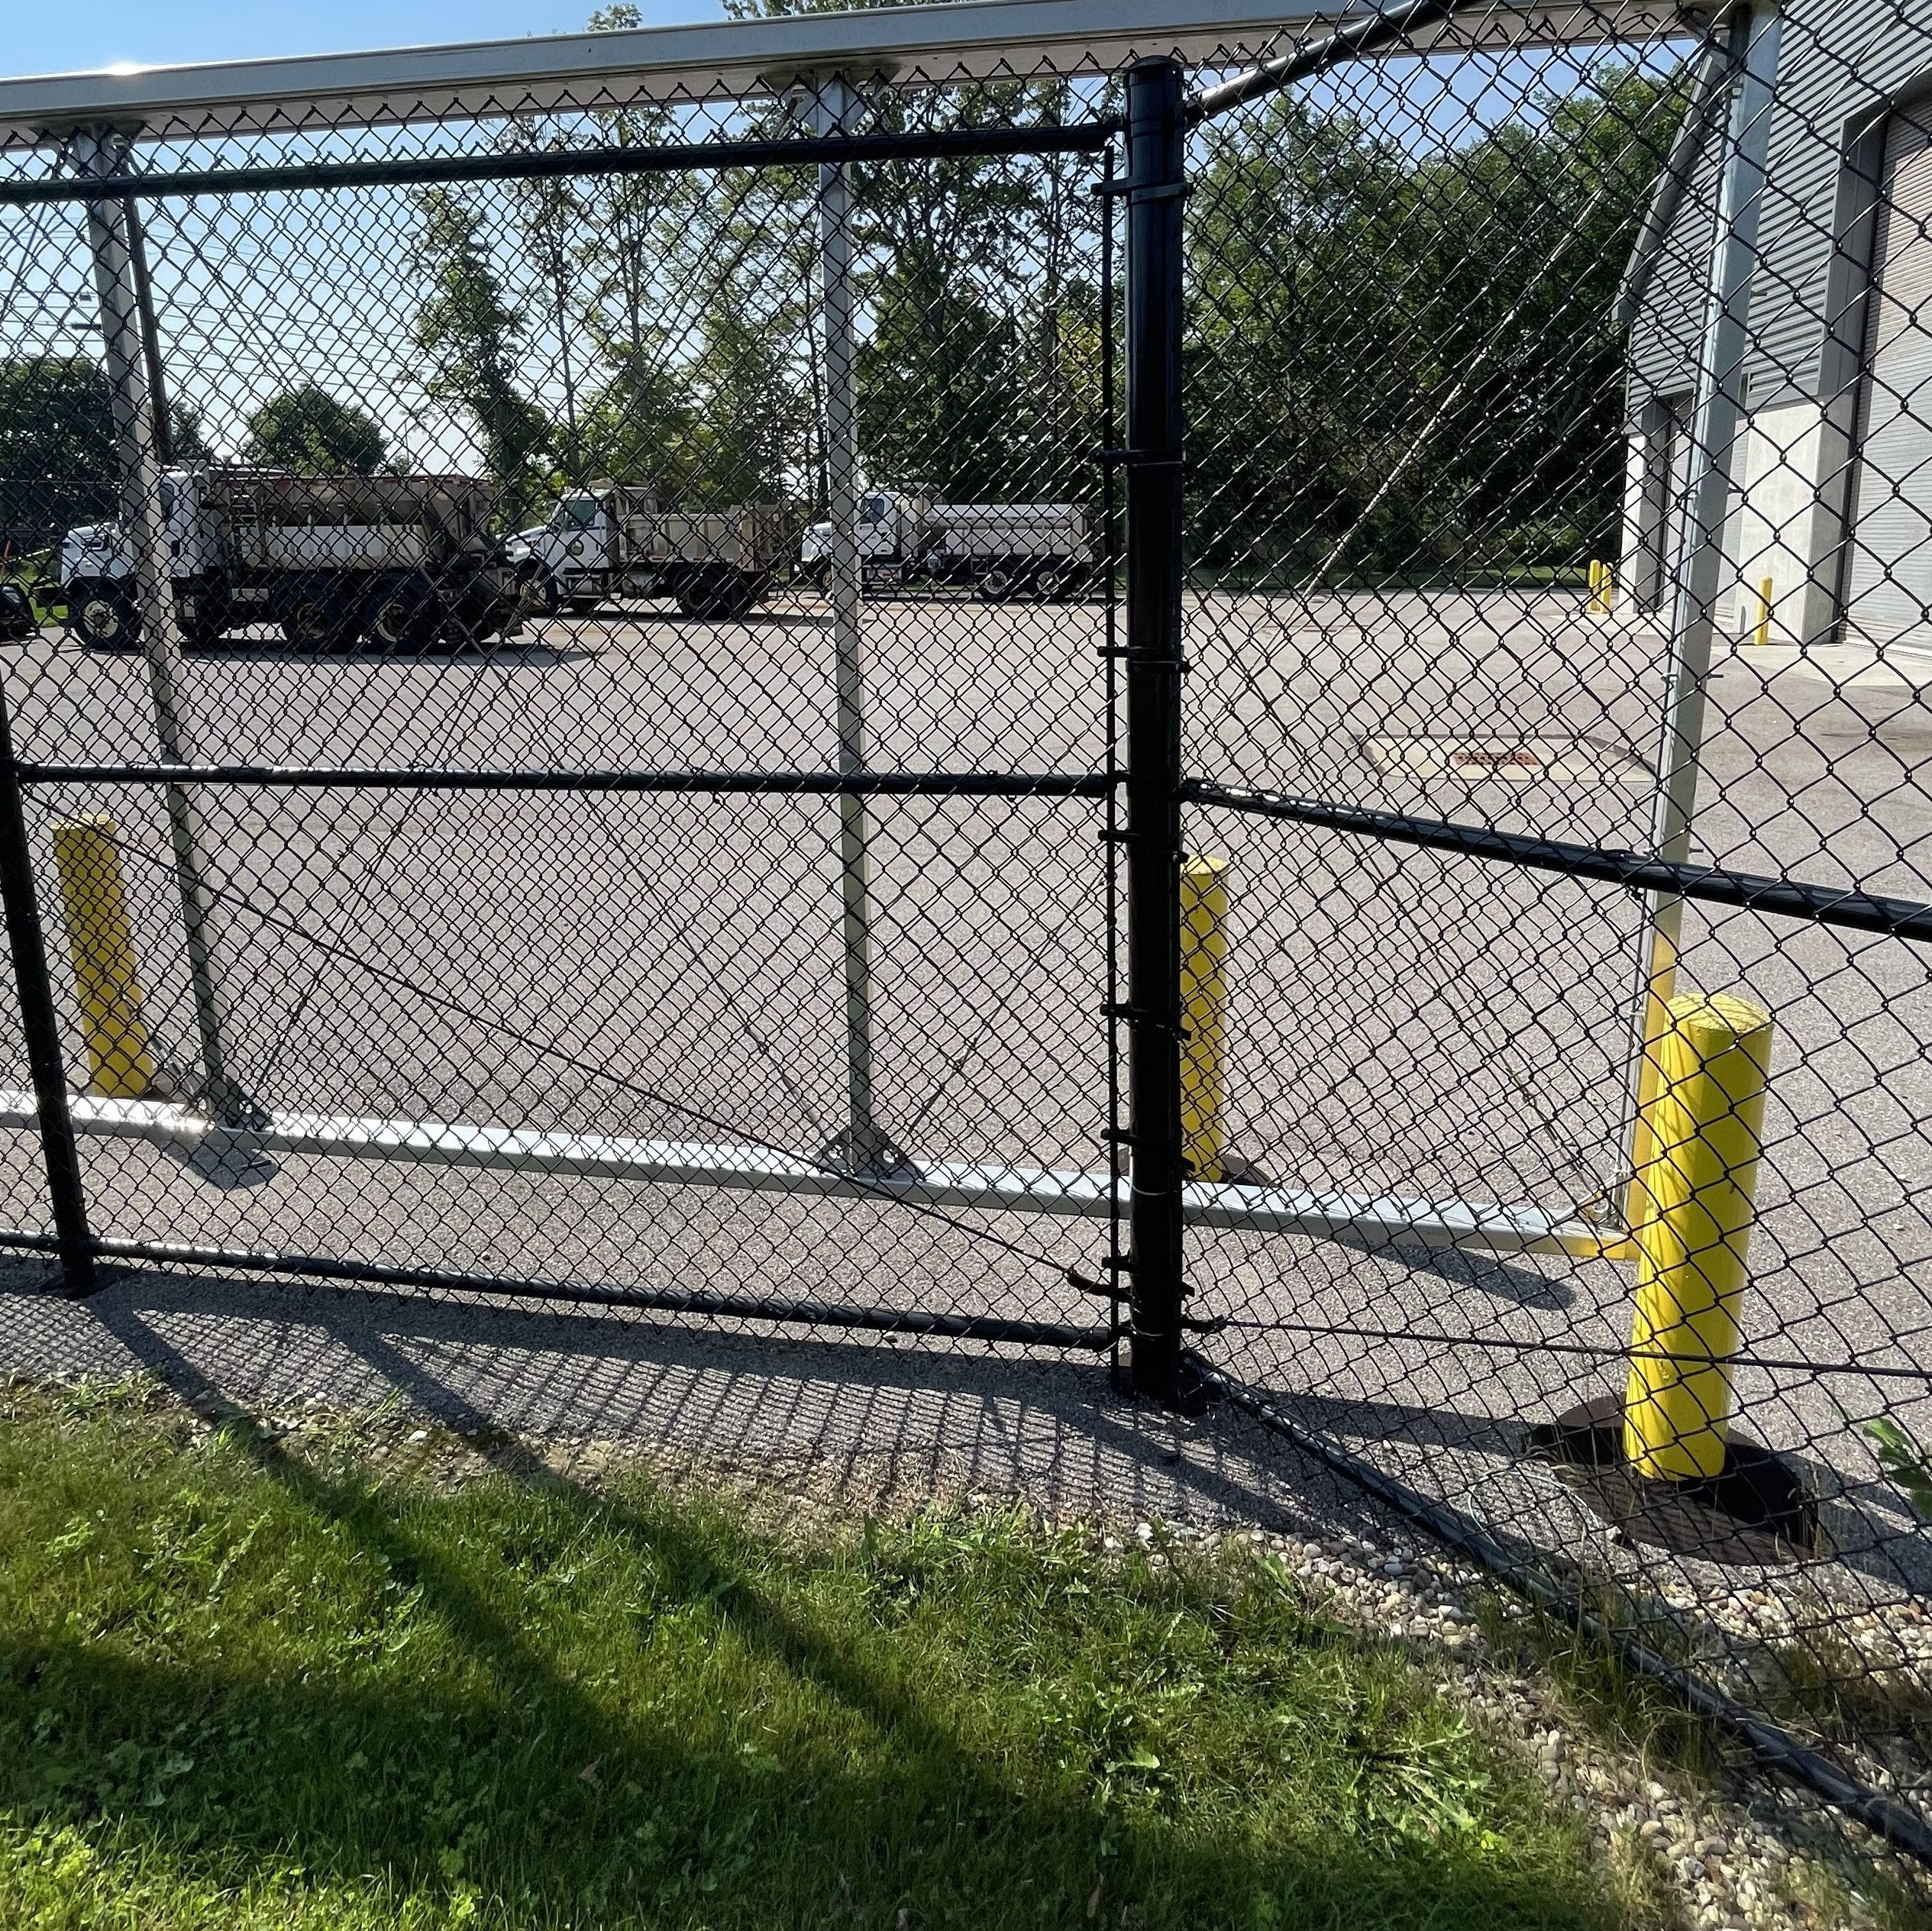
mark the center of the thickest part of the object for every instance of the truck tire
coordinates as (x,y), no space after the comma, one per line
(998,585)
(103,616)
(17,621)
(1053,582)
(316,616)
(542,595)
(205,615)
(717,595)
(402,615)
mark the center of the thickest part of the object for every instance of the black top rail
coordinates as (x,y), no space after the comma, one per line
(1355,42)
(1823,904)
(537,164)
(877,784)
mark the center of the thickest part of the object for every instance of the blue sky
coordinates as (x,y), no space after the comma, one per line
(62,38)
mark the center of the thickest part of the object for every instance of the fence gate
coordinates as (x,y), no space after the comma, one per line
(1246,698)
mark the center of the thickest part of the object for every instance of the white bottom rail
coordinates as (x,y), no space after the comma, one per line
(1374,1219)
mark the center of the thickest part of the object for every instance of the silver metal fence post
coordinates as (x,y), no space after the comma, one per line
(829,104)
(104,152)
(1715,431)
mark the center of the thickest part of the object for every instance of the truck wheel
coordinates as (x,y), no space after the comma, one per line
(542,595)
(102,616)
(402,615)
(18,621)
(316,616)
(715,594)
(998,585)
(204,616)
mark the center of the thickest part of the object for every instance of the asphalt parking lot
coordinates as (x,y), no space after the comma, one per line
(669,966)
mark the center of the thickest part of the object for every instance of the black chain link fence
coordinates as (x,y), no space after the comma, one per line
(737,695)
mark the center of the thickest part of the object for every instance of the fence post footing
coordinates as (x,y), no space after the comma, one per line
(59,1281)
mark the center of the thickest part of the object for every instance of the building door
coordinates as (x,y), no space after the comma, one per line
(1678,448)
(1888,581)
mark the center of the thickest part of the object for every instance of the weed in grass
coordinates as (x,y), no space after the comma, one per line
(241,1686)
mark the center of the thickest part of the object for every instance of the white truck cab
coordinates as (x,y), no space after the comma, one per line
(569,550)
(102,550)
(891,536)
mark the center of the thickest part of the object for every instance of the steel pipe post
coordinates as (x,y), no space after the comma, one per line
(1204,1014)
(143,521)
(65,1192)
(1706,1132)
(1155,186)
(828,103)
(1714,434)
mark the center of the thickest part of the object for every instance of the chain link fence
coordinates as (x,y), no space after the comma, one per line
(1244,700)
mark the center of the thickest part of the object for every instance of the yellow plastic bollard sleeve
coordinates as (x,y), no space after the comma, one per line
(100,937)
(1203,1012)
(1695,1194)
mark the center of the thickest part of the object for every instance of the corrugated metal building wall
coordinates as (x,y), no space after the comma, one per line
(1826,535)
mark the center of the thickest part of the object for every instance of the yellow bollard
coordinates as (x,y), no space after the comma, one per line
(1694,1197)
(87,856)
(1602,590)
(1761,631)
(1203,1012)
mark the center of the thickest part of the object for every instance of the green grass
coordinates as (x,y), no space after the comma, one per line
(35,571)
(245,1682)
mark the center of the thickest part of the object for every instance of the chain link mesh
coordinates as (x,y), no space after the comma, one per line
(588,640)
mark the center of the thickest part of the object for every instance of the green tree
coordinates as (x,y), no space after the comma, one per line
(939,386)
(1413,340)
(57,456)
(1525,235)
(313,433)
(467,327)
(187,442)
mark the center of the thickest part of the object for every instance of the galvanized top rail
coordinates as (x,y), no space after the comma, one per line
(968,39)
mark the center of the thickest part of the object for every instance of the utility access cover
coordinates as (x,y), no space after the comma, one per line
(1509,761)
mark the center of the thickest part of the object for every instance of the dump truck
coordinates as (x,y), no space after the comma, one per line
(1003,551)
(615,540)
(1011,549)
(893,534)
(398,561)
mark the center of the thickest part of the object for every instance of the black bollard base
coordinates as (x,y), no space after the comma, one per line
(1757,1512)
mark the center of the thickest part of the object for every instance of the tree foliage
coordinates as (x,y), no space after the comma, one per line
(472,335)
(1417,346)
(309,431)
(1398,358)
(57,456)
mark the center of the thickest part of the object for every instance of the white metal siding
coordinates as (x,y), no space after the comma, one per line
(1889,583)
(1838,59)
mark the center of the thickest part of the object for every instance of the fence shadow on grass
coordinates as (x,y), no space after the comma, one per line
(510,1773)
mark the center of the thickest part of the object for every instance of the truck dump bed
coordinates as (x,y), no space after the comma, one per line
(272,520)
(755,538)
(1009,530)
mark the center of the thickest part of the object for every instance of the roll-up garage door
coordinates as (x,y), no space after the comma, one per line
(1889,582)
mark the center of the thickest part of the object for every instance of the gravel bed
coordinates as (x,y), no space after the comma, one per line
(1747,1849)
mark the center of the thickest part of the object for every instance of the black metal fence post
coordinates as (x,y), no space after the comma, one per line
(1155,145)
(41,1028)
